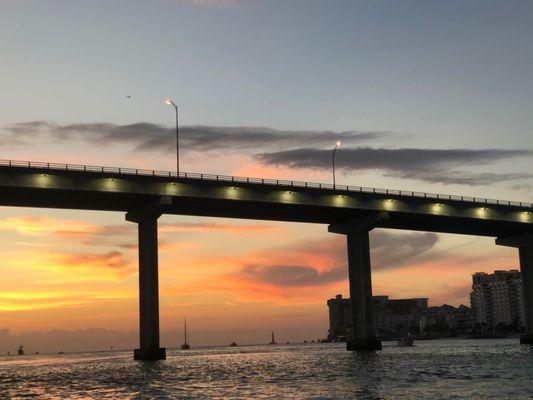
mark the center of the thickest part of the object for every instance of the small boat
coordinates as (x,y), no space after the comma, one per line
(406,341)
(233,344)
(273,341)
(185,345)
(20,351)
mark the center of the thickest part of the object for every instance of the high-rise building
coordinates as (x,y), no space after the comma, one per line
(392,317)
(339,318)
(496,299)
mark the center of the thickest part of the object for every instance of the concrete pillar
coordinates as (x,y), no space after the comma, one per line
(148,293)
(524,243)
(146,219)
(526,269)
(363,335)
(363,331)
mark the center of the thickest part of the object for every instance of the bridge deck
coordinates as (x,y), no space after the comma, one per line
(52,185)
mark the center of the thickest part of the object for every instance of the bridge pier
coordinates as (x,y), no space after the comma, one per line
(524,243)
(363,331)
(146,219)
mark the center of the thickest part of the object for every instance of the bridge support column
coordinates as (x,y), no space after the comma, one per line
(524,243)
(363,331)
(146,219)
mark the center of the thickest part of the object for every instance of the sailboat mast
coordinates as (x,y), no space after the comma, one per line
(185,324)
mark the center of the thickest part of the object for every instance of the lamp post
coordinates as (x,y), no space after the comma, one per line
(171,102)
(333,160)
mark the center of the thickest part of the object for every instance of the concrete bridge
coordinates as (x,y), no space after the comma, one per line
(144,195)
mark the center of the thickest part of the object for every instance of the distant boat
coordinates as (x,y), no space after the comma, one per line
(185,345)
(273,341)
(20,351)
(233,344)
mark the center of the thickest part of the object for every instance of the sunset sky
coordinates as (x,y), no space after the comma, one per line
(425,95)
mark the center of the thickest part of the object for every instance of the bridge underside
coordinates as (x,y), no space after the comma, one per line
(257,210)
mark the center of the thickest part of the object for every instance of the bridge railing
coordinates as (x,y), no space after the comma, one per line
(261,181)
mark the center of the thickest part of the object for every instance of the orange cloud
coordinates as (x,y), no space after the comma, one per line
(38,226)
(112,260)
(214,227)
(62,267)
(24,300)
(63,228)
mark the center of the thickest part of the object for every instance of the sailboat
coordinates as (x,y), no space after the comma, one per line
(273,339)
(185,345)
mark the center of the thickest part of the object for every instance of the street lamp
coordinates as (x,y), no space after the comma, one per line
(333,160)
(171,102)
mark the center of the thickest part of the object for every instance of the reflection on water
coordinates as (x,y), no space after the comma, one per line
(432,370)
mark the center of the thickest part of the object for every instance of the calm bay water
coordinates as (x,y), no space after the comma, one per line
(438,369)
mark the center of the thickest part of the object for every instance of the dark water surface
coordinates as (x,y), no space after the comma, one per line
(438,369)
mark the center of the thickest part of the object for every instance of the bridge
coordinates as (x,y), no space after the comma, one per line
(352,211)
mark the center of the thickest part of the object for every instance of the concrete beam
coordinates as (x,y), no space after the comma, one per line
(152,209)
(354,225)
(524,240)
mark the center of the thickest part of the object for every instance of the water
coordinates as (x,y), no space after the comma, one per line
(438,369)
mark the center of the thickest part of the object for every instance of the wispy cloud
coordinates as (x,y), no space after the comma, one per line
(292,275)
(215,227)
(24,300)
(154,137)
(113,260)
(43,226)
(432,165)
(395,250)
(283,148)
(72,229)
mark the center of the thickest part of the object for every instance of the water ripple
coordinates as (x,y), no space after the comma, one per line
(444,369)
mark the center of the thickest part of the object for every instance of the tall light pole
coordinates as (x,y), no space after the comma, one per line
(333,160)
(171,102)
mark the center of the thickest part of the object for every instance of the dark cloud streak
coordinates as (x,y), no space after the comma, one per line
(389,251)
(292,275)
(298,149)
(432,165)
(154,137)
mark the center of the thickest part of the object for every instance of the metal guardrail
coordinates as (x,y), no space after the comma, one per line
(261,181)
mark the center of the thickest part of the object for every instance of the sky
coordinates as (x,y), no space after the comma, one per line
(424,95)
